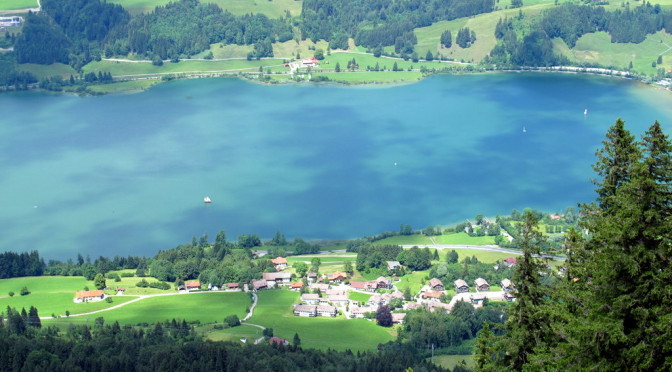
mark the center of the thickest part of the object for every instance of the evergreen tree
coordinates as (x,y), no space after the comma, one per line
(297,340)
(446,39)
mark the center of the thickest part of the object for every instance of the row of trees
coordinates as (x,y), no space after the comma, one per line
(14,265)
(611,310)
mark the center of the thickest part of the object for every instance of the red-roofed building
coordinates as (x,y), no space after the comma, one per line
(338,276)
(277,341)
(89,296)
(510,261)
(364,286)
(309,62)
(280,263)
(193,285)
(296,286)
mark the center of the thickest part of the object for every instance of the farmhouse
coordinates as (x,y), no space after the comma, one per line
(89,296)
(383,282)
(193,285)
(337,277)
(277,278)
(507,285)
(321,286)
(398,318)
(509,296)
(312,277)
(296,286)
(360,311)
(461,286)
(477,299)
(482,284)
(338,300)
(305,310)
(120,291)
(436,284)
(364,286)
(278,341)
(334,292)
(309,62)
(259,284)
(233,285)
(310,298)
(280,263)
(510,262)
(432,295)
(326,310)
(393,265)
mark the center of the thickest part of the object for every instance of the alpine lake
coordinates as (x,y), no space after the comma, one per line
(127,174)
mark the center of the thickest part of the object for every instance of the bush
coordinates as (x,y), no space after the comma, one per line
(108,300)
(232,320)
(126,275)
(11,294)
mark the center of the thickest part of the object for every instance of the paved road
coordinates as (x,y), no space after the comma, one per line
(491,248)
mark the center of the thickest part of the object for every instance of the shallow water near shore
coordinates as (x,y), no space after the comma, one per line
(127,174)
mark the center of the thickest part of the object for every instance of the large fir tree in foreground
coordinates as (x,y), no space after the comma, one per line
(613,309)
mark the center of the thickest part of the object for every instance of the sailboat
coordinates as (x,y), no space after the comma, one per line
(524,130)
(207,200)
(585,112)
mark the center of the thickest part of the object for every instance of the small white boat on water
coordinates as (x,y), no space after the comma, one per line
(524,130)
(207,200)
(585,112)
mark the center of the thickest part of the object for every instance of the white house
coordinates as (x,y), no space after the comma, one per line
(305,310)
(89,296)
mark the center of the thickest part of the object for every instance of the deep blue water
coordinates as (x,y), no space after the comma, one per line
(126,174)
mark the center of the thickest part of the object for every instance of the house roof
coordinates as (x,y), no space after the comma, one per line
(330,292)
(312,275)
(279,261)
(326,308)
(305,308)
(338,275)
(434,282)
(310,296)
(398,317)
(364,285)
(477,297)
(259,283)
(510,260)
(391,265)
(320,286)
(85,294)
(296,285)
(276,276)
(460,283)
(480,282)
(338,298)
(432,294)
(233,285)
(361,310)
(276,341)
(121,289)
(506,283)
(193,284)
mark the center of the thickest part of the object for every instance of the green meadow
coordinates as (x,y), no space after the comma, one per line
(464,238)
(450,361)
(124,87)
(415,239)
(204,307)
(17,4)
(483,256)
(42,71)
(414,281)
(50,295)
(234,333)
(122,69)
(274,310)
(361,297)
(273,9)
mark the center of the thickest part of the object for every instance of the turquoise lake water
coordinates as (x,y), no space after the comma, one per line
(127,174)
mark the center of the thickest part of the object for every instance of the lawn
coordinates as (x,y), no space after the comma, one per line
(234,334)
(184,66)
(123,86)
(361,297)
(464,238)
(274,310)
(204,307)
(483,256)
(42,71)
(415,239)
(450,361)
(17,4)
(273,9)
(414,281)
(50,295)
(598,48)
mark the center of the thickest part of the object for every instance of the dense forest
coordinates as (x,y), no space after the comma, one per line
(173,346)
(611,309)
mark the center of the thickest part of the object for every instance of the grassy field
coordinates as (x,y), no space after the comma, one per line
(123,87)
(234,334)
(450,361)
(414,281)
(203,307)
(42,71)
(361,297)
(274,310)
(182,67)
(464,238)
(372,77)
(50,295)
(415,239)
(484,27)
(273,9)
(483,256)
(597,48)
(17,4)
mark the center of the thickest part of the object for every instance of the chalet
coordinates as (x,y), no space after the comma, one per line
(482,284)
(310,298)
(393,265)
(398,318)
(280,263)
(277,278)
(312,277)
(432,295)
(305,310)
(364,286)
(461,286)
(507,285)
(383,282)
(278,341)
(375,300)
(510,297)
(360,312)
(322,287)
(120,291)
(89,296)
(436,284)
(388,297)
(334,292)
(434,306)
(337,277)
(259,284)
(326,310)
(233,285)
(477,299)
(193,285)
(339,300)
(309,62)
(296,286)
(510,262)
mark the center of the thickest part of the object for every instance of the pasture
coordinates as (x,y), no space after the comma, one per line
(272,9)
(464,238)
(17,4)
(204,307)
(274,310)
(50,295)
(136,69)
(234,333)
(43,71)
(123,86)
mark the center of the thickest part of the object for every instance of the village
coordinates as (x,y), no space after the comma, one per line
(328,295)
